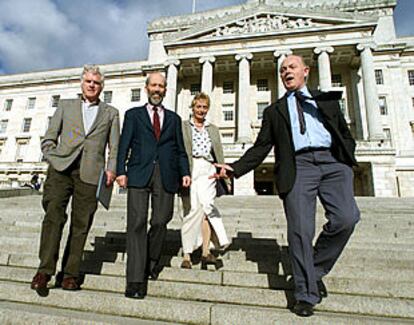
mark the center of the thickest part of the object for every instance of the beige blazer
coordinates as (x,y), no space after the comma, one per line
(65,139)
(216,144)
(214,135)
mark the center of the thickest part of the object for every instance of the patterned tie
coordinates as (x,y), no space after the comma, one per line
(156,123)
(300,99)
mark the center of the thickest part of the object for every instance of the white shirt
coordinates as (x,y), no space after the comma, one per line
(201,142)
(89,112)
(160,111)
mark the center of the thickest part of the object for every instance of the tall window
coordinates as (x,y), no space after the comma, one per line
(8,104)
(337,80)
(228,87)
(27,122)
(55,100)
(31,102)
(108,97)
(262,85)
(135,95)
(21,149)
(379,77)
(412,102)
(382,101)
(387,133)
(228,112)
(3,126)
(195,89)
(260,109)
(411,77)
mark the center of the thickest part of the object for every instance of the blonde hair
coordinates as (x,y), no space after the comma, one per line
(200,96)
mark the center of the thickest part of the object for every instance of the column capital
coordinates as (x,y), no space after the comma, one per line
(172,61)
(327,49)
(364,46)
(279,53)
(241,56)
(209,58)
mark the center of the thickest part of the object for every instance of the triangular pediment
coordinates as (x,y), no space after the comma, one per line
(264,20)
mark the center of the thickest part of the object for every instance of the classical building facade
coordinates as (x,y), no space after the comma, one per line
(233,54)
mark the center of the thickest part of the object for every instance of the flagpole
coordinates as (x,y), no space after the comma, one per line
(194,5)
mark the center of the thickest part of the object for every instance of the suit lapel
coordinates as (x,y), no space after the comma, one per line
(283,109)
(79,116)
(145,119)
(167,120)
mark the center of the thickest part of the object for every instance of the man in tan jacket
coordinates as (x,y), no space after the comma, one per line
(75,145)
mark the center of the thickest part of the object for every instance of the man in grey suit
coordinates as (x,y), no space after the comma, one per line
(314,153)
(74,145)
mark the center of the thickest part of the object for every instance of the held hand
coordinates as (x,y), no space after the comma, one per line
(186,181)
(122,181)
(110,177)
(225,171)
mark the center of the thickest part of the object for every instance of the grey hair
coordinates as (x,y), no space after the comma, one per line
(147,81)
(94,69)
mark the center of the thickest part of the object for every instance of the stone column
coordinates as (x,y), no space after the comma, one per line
(244,131)
(172,77)
(324,67)
(370,92)
(207,74)
(280,55)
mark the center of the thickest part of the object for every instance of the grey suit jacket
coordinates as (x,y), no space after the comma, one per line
(65,139)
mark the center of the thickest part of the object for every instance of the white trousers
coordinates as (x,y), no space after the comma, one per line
(201,199)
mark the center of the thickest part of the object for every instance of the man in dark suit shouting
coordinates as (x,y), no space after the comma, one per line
(314,153)
(151,162)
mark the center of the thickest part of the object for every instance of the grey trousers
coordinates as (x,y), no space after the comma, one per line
(143,247)
(318,174)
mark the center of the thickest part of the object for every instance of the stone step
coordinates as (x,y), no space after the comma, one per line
(341,285)
(181,291)
(176,311)
(27,314)
(345,277)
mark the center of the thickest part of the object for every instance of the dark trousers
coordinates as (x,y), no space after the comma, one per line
(318,174)
(144,248)
(58,189)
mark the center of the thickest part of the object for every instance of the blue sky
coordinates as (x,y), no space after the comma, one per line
(49,34)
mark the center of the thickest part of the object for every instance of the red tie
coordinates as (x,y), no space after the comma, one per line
(156,123)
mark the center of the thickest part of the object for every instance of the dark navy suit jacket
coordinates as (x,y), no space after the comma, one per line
(138,150)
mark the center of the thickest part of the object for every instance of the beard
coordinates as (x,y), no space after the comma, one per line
(155,100)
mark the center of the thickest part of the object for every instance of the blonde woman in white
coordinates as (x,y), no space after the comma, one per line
(202,223)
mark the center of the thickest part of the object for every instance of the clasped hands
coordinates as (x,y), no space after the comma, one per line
(223,171)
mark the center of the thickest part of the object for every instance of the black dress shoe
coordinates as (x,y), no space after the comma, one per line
(303,309)
(323,293)
(154,270)
(136,290)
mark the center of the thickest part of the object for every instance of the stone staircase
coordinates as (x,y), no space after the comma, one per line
(371,283)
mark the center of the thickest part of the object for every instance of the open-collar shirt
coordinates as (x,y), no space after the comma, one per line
(89,113)
(201,141)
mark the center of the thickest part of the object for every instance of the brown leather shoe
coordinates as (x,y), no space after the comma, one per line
(206,260)
(39,283)
(186,264)
(70,284)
